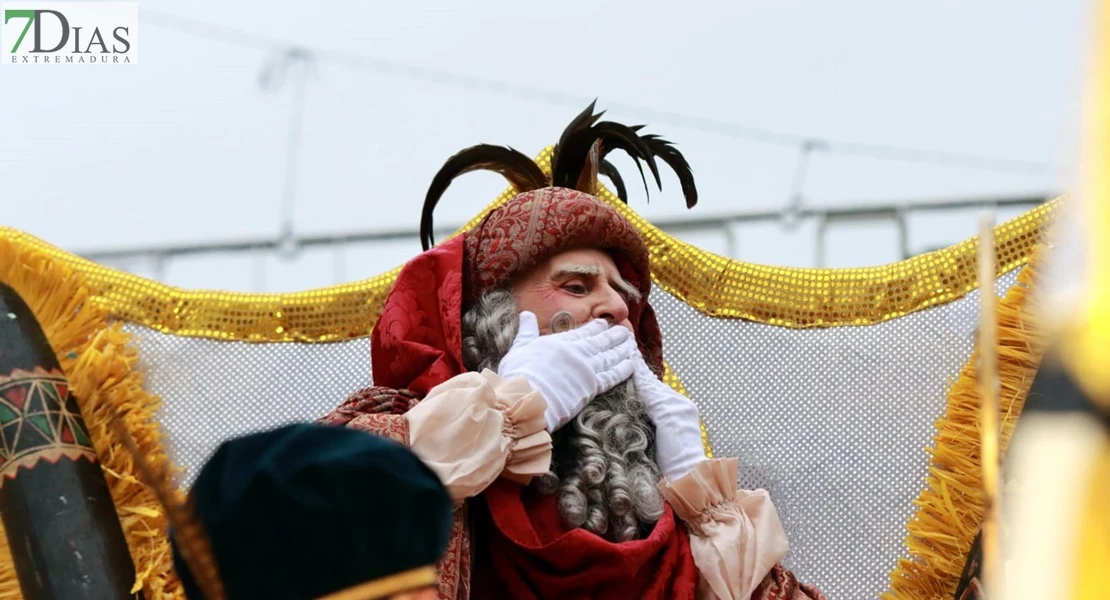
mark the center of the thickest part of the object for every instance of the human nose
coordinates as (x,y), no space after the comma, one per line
(612,307)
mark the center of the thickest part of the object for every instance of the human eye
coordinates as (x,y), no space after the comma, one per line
(576,287)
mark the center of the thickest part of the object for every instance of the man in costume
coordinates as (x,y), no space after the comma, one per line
(522,361)
(309,512)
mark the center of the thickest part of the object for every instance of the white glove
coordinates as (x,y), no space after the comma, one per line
(678,444)
(571,367)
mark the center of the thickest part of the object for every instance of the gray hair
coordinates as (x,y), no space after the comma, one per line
(603,465)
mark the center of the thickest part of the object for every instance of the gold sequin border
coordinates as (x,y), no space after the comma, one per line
(712,284)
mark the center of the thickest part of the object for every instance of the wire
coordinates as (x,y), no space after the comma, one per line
(242,38)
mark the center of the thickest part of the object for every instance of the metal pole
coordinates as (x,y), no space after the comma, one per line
(298,61)
(902,222)
(790,214)
(732,245)
(819,247)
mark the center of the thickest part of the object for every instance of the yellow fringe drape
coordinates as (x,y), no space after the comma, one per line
(98,362)
(950,508)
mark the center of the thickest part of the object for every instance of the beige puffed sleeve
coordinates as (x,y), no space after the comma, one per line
(475,427)
(735,535)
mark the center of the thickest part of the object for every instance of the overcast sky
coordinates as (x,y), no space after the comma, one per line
(187,147)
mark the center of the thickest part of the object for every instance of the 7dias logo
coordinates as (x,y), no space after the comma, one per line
(69,33)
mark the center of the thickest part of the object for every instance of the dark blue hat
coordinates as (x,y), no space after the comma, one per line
(304,511)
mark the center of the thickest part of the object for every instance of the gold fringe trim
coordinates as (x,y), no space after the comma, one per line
(950,509)
(98,361)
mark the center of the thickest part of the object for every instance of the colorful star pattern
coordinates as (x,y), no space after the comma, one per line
(39,419)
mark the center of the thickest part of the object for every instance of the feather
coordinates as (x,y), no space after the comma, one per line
(625,138)
(583,121)
(587,179)
(577,161)
(677,162)
(570,166)
(609,170)
(521,172)
(576,141)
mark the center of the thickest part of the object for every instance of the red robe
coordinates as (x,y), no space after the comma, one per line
(520,549)
(523,551)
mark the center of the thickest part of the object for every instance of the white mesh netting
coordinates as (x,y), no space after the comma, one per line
(832,422)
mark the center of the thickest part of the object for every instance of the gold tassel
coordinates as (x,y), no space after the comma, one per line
(950,509)
(98,362)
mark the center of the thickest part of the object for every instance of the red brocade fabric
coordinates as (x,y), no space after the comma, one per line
(780,584)
(417,341)
(535,225)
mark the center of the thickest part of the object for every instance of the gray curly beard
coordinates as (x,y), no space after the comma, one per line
(603,462)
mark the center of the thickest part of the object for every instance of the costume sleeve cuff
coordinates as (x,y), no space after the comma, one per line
(736,536)
(525,426)
(469,428)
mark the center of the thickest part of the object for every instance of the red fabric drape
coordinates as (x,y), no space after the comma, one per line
(417,341)
(525,553)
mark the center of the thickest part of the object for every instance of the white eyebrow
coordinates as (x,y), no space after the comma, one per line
(578,270)
(628,289)
(618,282)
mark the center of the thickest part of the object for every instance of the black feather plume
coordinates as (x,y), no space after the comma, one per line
(521,172)
(572,154)
(577,161)
(574,145)
(677,162)
(609,170)
(584,120)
